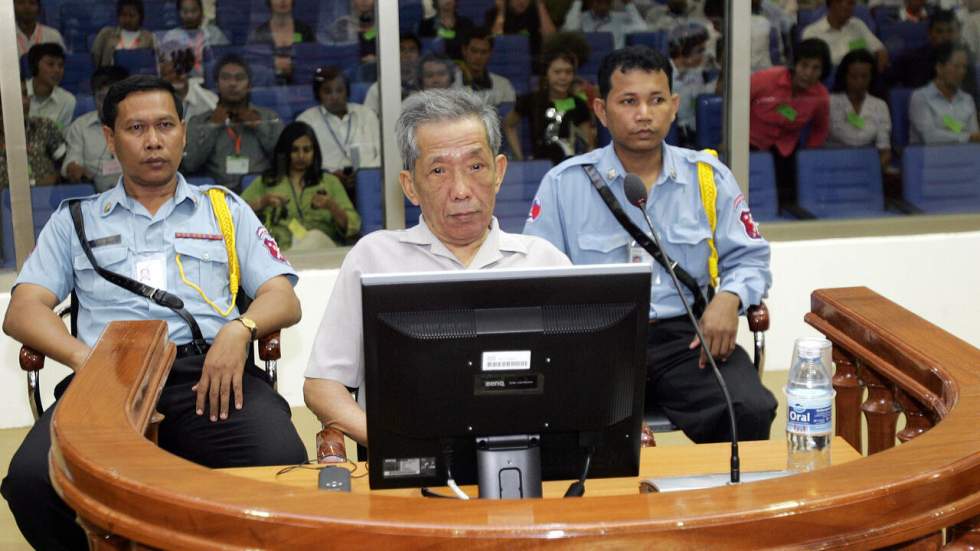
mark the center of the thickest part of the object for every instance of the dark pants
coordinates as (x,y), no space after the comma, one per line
(261,433)
(690,396)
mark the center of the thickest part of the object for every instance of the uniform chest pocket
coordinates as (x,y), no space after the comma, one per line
(687,243)
(204,263)
(602,248)
(89,282)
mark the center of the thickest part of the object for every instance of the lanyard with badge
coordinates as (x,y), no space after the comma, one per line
(236,164)
(345,146)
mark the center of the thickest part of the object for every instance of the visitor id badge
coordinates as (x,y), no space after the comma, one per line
(236,164)
(109,167)
(952,124)
(152,270)
(639,255)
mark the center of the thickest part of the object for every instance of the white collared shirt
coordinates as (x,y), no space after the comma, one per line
(872,129)
(353,141)
(198,100)
(42,34)
(87,147)
(852,36)
(58,107)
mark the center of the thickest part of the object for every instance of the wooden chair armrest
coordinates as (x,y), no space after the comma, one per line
(270,347)
(758,316)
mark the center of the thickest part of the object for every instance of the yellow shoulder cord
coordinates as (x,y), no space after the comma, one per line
(219,205)
(709,195)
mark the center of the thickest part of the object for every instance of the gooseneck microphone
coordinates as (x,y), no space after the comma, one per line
(636,194)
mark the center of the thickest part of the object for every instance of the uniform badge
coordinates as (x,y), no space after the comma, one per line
(270,244)
(535,210)
(751,228)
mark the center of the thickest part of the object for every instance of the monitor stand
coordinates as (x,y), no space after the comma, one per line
(509,467)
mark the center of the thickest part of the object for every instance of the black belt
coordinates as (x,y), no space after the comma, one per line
(191,349)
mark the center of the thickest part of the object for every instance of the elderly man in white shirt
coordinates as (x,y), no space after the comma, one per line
(843,32)
(600,17)
(88,156)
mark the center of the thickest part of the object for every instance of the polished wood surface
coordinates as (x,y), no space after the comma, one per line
(121,483)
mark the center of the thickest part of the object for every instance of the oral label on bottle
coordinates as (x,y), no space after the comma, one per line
(806,415)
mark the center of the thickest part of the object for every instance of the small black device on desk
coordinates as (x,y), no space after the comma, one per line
(335,479)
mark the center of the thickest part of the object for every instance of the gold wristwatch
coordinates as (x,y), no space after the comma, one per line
(250,325)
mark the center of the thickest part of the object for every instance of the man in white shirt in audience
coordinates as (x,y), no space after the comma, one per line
(409,47)
(600,17)
(175,67)
(843,32)
(48,99)
(473,74)
(89,158)
(29,31)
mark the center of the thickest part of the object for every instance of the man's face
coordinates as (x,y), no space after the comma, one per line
(954,70)
(455,179)
(435,75)
(281,7)
(601,7)
(191,14)
(26,11)
(840,10)
(638,110)
(148,138)
(129,18)
(233,84)
(50,70)
(476,54)
(941,33)
(409,52)
(333,96)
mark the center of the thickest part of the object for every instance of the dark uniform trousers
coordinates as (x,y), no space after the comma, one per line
(261,433)
(690,396)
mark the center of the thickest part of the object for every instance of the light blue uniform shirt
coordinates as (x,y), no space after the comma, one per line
(123,233)
(568,211)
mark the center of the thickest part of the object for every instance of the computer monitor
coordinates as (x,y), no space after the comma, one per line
(545,362)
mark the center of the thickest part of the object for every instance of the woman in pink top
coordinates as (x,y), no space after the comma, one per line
(783,102)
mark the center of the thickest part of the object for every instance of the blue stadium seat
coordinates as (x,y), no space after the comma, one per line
(78,71)
(82,20)
(160,15)
(511,58)
(369,197)
(942,178)
(307,11)
(474,10)
(898,37)
(83,104)
(522,180)
(234,17)
(837,183)
(358,91)
(898,108)
(44,201)
(259,58)
(141,61)
(600,44)
(299,97)
(762,186)
(409,16)
(273,97)
(655,40)
(708,114)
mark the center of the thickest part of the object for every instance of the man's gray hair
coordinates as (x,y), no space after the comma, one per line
(436,105)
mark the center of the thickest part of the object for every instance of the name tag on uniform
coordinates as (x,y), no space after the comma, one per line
(639,255)
(108,167)
(236,164)
(151,270)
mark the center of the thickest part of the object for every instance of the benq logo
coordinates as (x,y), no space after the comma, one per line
(493,384)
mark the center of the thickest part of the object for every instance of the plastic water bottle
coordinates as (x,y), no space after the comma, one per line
(809,400)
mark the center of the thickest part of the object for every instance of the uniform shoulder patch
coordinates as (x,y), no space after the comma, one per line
(751,228)
(535,211)
(270,244)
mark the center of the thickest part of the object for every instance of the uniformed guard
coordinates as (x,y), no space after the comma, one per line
(703,223)
(154,247)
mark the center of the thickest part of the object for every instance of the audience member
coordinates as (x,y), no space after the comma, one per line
(449,142)
(409,47)
(302,206)
(558,120)
(600,17)
(527,17)
(477,49)
(236,137)
(446,26)
(195,33)
(436,71)
(761,41)
(843,32)
(941,112)
(782,102)
(175,69)
(673,14)
(281,31)
(857,118)
(29,32)
(915,68)
(971,26)
(45,147)
(89,158)
(357,27)
(48,99)
(349,134)
(686,45)
(127,35)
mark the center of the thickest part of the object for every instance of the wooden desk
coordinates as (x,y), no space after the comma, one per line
(765,455)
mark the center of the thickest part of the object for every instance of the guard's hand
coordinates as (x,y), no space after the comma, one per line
(222,373)
(719,325)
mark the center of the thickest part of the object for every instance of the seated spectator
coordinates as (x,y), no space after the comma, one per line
(916,67)
(357,27)
(762,32)
(904,11)
(409,48)
(941,112)
(127,35)
(175,69)
(447,27)
(673,14)
(281,31)
(560,122)
(302,206)
(195,33)
(473,73)
(236,137)
(436,71)
(843,32)
(89,158)
(858,119)
(600,17)
(48,99)
(29,32)
(45,146)
(782,102)
(349,134)
(971,26)
(687,47)
(527,17)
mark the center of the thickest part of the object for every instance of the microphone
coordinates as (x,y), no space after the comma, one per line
(636,194)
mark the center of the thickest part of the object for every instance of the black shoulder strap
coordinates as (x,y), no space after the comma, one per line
(159,296)
(643,239)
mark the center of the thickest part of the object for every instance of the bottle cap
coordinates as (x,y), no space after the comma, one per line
(810,348)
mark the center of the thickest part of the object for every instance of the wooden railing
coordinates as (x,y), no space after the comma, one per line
(915,495)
